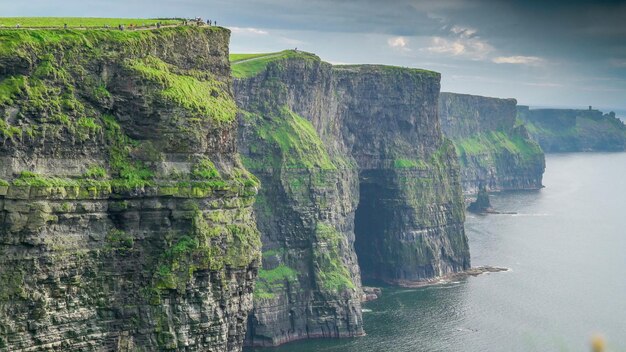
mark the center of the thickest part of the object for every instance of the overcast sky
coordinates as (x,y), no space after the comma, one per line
(550,53)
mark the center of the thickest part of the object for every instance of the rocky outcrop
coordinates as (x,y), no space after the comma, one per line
(482,203)
(125,214)
(570,130)
(352,161)
(491,147)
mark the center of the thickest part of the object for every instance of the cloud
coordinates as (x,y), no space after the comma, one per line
(463,32)
(248,30)
(460,41)
(398,43)
(519,60)
(473,48)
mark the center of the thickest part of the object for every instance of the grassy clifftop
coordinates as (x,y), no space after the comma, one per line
(83,22)
(570,130)
(62,87)
(250,65)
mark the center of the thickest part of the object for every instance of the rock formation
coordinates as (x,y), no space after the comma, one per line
(482,203)
(125,214)
(569,130)
(491,147)
(352,161)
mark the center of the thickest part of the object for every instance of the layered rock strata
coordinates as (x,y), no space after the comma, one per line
(491,146)
(125,214)
(352,161)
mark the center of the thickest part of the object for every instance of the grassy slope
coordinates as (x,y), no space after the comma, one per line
(82,22)
(494,141)
(12,41)
(250,65)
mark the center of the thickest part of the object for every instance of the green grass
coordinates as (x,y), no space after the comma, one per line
(204,169)
(21,43)
(494,140)
(234,58)
(198,94)
(270,281)
(257,63)
(293,143)
(331,273)
(387,69)
(95,173)
(10,88)
(82,22)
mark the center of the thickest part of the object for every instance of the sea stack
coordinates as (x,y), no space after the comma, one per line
(482,203)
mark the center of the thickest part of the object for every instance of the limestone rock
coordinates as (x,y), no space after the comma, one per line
(125,215)
(344,150)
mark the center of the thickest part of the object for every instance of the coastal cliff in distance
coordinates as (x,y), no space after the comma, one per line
(492,149)
(352,162)
(571,130)
(125,213)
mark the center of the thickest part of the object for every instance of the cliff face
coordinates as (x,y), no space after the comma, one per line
(310,283)
(125,214)
(348,156)
(491,147)
(410,217)
(568,130)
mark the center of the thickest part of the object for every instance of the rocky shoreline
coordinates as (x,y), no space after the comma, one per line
(451,277)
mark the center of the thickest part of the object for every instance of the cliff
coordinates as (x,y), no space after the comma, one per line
(352,161)
(491,147)
(568,130)
(125,214)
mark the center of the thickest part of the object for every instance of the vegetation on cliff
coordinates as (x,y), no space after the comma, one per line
(570,130)
(120,179)
(286,140)
(82,22)
(492,148)
(493,142)
(250,65)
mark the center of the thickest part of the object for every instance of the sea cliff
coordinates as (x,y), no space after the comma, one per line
(125,213)
(352,162)
(492,147)
(572,130)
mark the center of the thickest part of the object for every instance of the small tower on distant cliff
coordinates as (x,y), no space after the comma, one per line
(590,108)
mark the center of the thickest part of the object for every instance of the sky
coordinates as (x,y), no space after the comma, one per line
(568,53)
